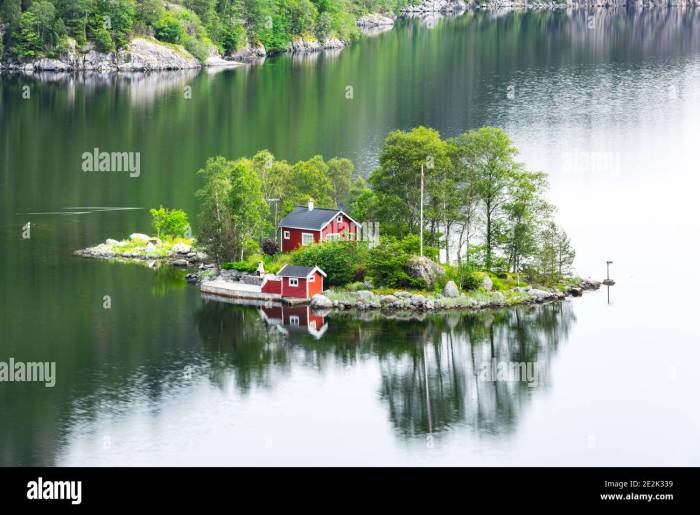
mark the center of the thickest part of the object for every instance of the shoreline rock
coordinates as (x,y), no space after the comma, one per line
(402,301)
(140,55)
(151,251)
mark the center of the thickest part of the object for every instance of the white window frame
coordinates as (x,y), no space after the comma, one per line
(312,278)
(303,238)
(336,236)
(293,282)
(339,219)
(285,235)
(294,320)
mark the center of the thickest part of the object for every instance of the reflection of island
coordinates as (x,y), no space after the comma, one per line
(430,366)
(292,318)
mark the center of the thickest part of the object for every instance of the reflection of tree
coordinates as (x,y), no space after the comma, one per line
(435,383)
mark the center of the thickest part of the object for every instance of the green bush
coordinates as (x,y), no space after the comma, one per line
(387,264)
(241,266)
(338,259)
(198,49)
(172,223)
(103,40)
(467,278)
(168,28)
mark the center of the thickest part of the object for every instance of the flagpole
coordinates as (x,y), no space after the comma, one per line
(421,210)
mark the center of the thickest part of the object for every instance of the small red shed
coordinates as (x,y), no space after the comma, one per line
(306,225)
(300,282)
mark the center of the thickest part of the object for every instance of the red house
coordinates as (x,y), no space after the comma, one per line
(300,282)
(307,225)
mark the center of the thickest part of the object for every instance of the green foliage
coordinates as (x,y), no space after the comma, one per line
(387,262)
(241,266)
(27,44)
(197,48)
(195,24)
(467,278)
(168,28)
(338,259)
(169,223)
(148,12)
(340,173)
(233,211)
(103,39)
(397,180)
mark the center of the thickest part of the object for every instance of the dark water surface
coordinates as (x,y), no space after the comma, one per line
(611,112)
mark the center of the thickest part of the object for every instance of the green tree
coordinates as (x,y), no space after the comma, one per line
(149,12)
(555,254)
(465,198)
(524,212)
(27,44)
(396,181)
(168,28)
(216,231)
(172,223)
(309,180)
(490,154)
(363,202)
(45,14)
(247,206)
(340,173)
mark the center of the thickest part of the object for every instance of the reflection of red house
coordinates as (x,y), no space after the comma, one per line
(300,282)
(307,225)
(291,318)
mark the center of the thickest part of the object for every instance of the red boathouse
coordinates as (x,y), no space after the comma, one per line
(307,225)
(299,282)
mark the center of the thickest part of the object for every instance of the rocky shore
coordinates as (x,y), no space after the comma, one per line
(150,250)
(449,299)
(142,54)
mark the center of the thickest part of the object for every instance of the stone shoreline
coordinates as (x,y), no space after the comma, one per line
(406,301)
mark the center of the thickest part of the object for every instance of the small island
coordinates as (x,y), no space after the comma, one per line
(440,224)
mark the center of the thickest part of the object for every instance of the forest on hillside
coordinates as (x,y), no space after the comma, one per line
(31,29)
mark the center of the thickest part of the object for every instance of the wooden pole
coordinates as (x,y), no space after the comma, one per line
(421,210)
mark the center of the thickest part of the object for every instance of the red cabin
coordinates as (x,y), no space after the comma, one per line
(300,282)
(307,225)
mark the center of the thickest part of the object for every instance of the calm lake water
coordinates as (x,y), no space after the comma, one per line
(611,112)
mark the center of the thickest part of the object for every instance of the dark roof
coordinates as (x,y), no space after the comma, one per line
(302,218)
(298,271)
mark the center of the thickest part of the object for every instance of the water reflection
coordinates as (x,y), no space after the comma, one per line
(434,369)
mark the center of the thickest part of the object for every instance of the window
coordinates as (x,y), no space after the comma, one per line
(339,219)
(293,320)
(332,237)
(286,235)
(307,238)
(312,278)
(293,281)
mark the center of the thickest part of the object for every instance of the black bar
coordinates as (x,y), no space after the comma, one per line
(362,488)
